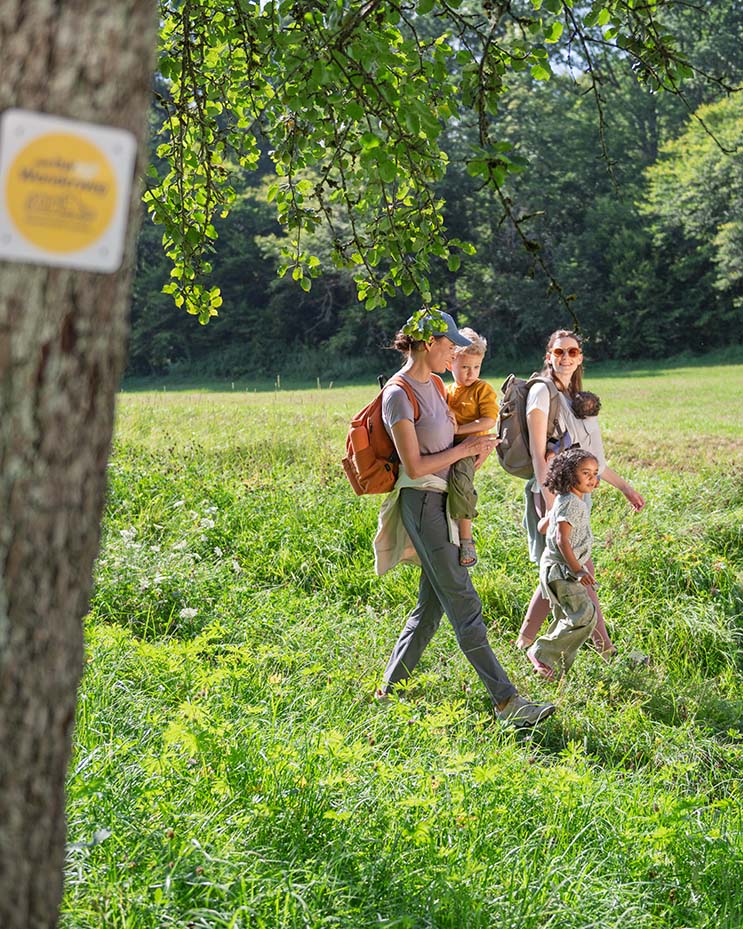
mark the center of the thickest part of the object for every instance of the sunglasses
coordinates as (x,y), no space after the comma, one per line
(570,352)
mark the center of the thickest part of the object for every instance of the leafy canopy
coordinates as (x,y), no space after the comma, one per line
(351,99)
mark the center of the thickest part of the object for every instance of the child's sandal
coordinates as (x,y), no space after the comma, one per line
(467,553)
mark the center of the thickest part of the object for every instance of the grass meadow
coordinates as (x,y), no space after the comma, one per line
(231,770)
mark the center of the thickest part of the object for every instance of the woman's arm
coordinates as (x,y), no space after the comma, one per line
(635,500)
(566,550)
(416,464)
(537,423)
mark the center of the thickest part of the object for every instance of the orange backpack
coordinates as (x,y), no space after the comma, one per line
(371,462)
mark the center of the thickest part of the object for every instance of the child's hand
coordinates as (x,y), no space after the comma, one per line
(543,524)
(586,578)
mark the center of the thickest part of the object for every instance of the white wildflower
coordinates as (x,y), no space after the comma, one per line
(179,503)
(206,523)
(128,535)
(218,551)
(236,566)
(179,546)
(188,612)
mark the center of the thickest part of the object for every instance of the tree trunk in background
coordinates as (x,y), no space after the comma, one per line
(62,350)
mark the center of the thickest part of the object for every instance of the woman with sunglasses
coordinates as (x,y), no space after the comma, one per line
(564,365)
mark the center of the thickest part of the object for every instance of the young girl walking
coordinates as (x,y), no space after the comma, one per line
(565,573)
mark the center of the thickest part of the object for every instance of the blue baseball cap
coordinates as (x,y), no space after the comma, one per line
(426,324)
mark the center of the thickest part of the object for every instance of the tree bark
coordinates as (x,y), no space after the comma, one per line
(62,350)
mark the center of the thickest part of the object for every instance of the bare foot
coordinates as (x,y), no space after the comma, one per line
(540,667)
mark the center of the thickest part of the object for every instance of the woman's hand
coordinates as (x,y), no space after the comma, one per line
(480,446)
(635,500)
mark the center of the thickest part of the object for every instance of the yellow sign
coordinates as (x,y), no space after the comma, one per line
(65,190)
(61,192)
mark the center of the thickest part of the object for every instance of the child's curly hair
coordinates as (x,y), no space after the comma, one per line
(562,475)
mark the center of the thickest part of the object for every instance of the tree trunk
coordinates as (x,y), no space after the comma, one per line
(62,350)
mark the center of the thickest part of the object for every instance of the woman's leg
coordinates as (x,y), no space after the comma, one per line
(415,636)
(600,636)
(424,517)
(539,608)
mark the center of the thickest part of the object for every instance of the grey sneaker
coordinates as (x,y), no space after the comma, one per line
(520,712)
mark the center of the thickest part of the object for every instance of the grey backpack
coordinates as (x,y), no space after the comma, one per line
(511,427)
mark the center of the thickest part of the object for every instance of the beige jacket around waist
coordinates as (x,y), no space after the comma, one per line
(392,543)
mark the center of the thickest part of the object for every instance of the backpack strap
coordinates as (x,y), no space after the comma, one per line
(397,381)
(553,428)
(441,388)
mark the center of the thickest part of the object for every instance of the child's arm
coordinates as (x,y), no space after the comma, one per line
(566,550)
(484,424)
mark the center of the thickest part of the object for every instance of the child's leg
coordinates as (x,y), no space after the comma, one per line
(462,507)
(536,613)
(574,621)
(467,550)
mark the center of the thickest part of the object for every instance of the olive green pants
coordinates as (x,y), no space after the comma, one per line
(462,493)
(573,619)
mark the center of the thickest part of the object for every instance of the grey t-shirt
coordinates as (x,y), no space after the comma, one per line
(433,428)
(568,508)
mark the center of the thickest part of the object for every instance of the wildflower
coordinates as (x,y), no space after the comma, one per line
(188,612)
(218,551)
(236,566)
(206,523)
(128,535)
(179,546)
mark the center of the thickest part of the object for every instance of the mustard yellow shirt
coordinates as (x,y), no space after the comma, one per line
(473,402)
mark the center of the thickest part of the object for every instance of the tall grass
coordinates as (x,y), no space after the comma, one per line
(231,769)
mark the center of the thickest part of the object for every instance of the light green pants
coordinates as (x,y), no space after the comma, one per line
(573,619)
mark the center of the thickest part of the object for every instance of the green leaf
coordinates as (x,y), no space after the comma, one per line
(553,32)
(541,73)
(388,171)
(369,141)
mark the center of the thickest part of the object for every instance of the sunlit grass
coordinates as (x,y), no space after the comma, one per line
(231,769)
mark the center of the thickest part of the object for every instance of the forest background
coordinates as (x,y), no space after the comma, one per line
(633,200)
